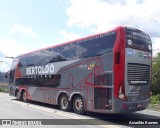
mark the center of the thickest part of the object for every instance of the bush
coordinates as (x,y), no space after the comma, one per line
(156,75)
(155,99)
(3,90)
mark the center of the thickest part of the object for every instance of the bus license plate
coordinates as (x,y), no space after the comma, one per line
(139,105)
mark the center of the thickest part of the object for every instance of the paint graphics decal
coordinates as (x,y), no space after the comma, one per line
(91,66)
(82,66)
(139,54)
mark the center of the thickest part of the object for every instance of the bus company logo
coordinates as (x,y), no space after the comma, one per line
(40,70)
(129,52)
(91,66)
(133,53)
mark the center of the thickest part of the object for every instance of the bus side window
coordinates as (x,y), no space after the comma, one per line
(42,81)
(55,81)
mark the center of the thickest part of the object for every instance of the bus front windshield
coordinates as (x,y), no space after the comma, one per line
(12,71)
(138,40)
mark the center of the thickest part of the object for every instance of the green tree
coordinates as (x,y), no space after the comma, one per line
(156,75)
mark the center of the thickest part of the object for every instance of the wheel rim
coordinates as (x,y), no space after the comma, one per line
(24,96)
(64,102)
(79,104)
(17,95)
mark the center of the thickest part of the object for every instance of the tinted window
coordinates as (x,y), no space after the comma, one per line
(65,52)
(95,46)
(137,39)
(41,81)
(14,63)
(13,69)
(41,58)
(88,47)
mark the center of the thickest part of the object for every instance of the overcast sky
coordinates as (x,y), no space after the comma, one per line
(27,25)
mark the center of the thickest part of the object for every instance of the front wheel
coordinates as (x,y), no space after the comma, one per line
(78,105)
(18,95)
(24,96)
(64,103)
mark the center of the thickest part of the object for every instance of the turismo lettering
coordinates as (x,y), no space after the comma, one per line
(40,70)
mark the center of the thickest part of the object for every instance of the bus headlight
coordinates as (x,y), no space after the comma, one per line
(129,42)
(149,47)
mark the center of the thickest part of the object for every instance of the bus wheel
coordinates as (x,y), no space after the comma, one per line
(24,96)
(64,104)
(78,105)
(18,95)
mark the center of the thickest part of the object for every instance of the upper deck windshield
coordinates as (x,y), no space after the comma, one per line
(138,40)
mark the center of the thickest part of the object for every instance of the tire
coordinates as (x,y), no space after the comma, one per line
(64,104)
(24,96)
(78,105)
(18,95)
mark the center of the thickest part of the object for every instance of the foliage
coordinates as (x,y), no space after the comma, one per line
(155,99)
(2,89)
(156,75)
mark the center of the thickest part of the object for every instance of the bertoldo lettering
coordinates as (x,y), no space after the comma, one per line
(40,70)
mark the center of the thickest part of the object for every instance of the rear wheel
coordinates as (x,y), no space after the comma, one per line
(24,96)
(78,105)
(64,104)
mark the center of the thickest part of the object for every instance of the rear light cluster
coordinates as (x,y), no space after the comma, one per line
(121,93)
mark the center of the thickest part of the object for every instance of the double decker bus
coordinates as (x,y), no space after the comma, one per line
(108,72)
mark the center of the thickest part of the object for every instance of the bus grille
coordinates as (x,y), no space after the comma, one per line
(138,74)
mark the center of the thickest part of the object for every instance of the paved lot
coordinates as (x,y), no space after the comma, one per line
(10,108)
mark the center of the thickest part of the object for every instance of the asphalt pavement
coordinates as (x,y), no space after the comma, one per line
(35,114)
